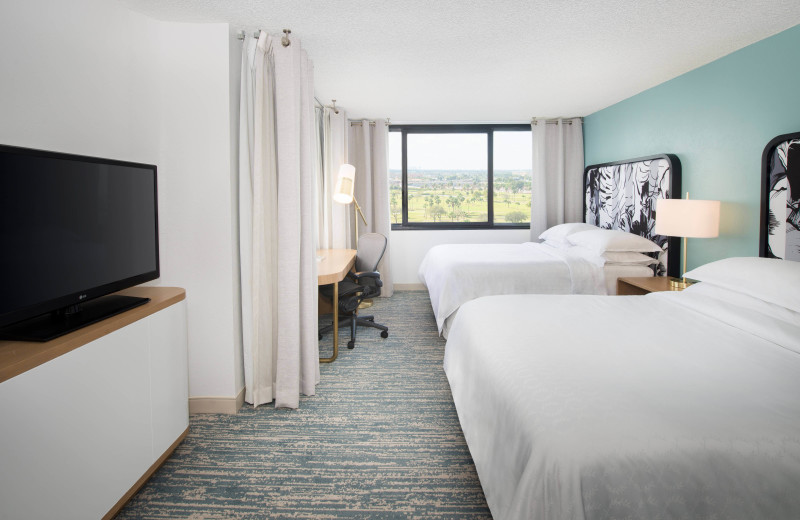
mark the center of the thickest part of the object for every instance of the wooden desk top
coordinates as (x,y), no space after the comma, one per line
(334,265)
(17,357)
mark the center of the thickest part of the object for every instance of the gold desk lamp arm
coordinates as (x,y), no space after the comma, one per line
(357,211)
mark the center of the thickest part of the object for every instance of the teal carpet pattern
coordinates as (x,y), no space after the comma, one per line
(381,439)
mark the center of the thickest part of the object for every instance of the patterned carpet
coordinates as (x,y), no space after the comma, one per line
(381,439)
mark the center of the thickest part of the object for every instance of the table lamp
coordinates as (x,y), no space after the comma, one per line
(343,193)
(688,219)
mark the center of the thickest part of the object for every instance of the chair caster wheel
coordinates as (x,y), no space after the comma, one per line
(384,334)
(351,344)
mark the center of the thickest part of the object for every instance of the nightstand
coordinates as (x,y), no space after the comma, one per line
(643,285)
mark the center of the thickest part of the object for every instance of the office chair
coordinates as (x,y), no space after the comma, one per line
(358,286)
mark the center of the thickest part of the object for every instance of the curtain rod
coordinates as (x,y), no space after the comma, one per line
(285,41)
(242,35)
(358,122)
(332,106)
(564,120)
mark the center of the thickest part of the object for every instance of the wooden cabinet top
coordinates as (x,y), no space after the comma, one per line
(17,357)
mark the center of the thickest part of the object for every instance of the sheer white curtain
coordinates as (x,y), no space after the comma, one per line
(298,347)
(277,223)
(258,221)
(335,218)
(557,174)
(368,153)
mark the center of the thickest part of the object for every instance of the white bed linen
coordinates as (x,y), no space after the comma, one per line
(611,272)
(671,405)
(457,273)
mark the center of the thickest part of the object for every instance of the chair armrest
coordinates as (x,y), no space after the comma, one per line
(374,275)
(370,274)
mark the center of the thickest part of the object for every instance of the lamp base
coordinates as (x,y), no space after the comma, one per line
(679,284)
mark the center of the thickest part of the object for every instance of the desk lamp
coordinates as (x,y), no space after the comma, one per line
(343,194)
(688,219)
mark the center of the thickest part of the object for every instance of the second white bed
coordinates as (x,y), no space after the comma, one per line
(457,273)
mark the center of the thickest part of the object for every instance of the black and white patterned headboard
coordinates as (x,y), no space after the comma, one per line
(622,195)
(780,198)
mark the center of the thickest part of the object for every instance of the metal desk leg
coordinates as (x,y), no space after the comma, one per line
(335,325)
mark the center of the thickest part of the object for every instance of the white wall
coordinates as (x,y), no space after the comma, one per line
(195,195)
(91,77)
(79,77)
(408,247)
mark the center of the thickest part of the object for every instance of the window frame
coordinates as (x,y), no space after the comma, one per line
(487,129)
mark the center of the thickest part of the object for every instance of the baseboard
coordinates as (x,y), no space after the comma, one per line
(409,287)
(229,405)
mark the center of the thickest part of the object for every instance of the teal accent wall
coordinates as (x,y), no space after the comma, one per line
(717,119)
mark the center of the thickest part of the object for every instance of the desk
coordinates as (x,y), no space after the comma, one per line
(333,267)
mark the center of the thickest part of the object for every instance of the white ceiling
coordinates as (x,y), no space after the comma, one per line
(483,60)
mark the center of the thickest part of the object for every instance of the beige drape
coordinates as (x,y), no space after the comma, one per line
(258,231)
(278,216)
(368,153)
(557,191)
(334,221)
(297,367)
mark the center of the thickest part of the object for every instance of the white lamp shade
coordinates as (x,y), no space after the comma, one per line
(687,218)
(343,194)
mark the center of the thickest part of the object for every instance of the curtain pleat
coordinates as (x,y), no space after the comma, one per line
(319,174)
(257,222)
(336,217)
(368,153)
(297,347)
(278,223)
(573,171)
(557,192)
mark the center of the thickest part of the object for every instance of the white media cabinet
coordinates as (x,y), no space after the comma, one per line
(87,418)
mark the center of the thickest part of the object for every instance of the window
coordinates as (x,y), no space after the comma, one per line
(460,176)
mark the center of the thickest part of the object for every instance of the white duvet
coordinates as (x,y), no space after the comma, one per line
(671,405)
(457,273)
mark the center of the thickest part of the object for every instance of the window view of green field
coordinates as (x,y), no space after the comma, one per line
(448,179)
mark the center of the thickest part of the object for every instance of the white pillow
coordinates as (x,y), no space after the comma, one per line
(628,258)
(602,240)
(614,258)
(560,232)
(770,279)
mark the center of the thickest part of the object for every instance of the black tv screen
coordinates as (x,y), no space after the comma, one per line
(72,228)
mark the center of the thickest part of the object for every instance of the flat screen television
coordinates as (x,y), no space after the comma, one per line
(73,230)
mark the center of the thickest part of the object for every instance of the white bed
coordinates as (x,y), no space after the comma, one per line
(670,405)
(618,196)
(457,273)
